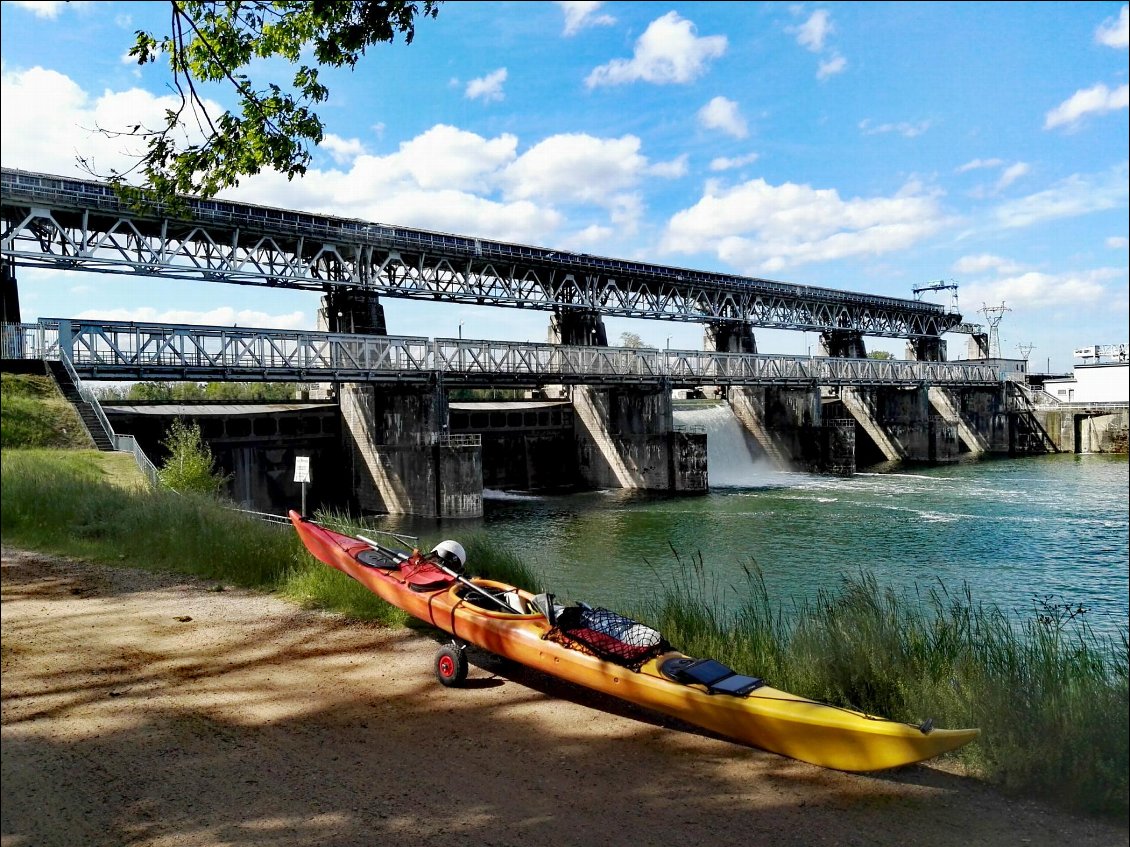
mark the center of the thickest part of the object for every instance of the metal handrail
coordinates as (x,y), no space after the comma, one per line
(129,444)
(169,351)
(88,397)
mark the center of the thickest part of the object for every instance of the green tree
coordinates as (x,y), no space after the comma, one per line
(879,354)
(190,466)
(215,42)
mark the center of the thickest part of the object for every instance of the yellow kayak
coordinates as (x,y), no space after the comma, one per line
(609,653)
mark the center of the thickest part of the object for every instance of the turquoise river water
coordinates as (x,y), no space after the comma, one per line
(1015,531)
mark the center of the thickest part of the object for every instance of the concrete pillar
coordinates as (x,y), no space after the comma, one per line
(626,439)
(927,349)
(729,337)
(11,295)
(352,310)
(978,346)
(402,461)
(783,424)
(899,423)
(842,344)
(577,328)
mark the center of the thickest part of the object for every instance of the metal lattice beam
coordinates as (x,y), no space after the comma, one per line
(116,350)
(82,225)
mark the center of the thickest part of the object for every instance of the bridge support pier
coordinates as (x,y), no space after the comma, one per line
(11,294)
(926,349)
(786,426)
(352,310)
(898,423)
(730,337)
(626,439)
(842,344)
(401,459)
(578,328)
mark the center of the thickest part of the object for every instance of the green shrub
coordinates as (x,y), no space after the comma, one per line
(190,466)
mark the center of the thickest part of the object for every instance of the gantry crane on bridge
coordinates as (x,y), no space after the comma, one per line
(938,285)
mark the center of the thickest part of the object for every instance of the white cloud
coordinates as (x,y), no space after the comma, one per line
(444,179)
(668,52)
(977,164)
(1011,174)
(904,128)
(1079,194)
(1118,242)
(222,316)
(342,149)
(581,14)
(579,168)
(49,9)
(1036,290)
(831,66)
(985,262)
(812,33)
(50,140)
(487,88)
(1115,33)
(672,169)
(1096,100)
(724,115)
(763,228)
(723,163)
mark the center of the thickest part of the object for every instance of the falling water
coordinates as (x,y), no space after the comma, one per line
(730,464)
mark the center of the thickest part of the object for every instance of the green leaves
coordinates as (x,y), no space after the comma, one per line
(199,152)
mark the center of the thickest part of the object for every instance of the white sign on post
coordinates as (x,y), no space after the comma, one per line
(302,474)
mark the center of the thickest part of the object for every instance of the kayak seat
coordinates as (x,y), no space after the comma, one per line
(715,676)
(377,559)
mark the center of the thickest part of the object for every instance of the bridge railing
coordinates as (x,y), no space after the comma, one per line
(118,350)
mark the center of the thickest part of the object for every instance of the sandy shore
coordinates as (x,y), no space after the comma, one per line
(156,710)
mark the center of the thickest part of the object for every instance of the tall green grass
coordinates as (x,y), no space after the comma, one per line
(1049,695)
(35,414)
(67,502)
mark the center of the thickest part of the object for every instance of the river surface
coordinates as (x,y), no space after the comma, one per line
(1014,531)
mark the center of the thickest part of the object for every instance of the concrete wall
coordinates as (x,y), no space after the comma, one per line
(625,439)
(397,464)
(1075,432)
(257,449)
(783,424)
(899,422)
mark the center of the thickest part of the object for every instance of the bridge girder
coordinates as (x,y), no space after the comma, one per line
(82,225)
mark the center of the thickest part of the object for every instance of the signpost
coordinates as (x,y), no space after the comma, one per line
(302,475)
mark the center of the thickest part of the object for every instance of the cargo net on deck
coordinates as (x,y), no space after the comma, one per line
(607,635)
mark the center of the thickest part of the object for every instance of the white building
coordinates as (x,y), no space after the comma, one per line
(1095,380)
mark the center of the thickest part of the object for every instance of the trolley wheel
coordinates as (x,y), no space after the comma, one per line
(451,666)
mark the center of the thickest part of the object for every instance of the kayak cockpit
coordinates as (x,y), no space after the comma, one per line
(496,598)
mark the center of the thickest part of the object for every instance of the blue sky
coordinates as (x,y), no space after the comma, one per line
(872,147)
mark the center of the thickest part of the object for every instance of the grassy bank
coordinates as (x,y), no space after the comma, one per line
(36,414)
(1049,695)
(1050,698)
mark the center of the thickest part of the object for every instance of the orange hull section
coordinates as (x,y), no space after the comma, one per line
(766,718)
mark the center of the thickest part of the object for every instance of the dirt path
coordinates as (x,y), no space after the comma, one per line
(155,710)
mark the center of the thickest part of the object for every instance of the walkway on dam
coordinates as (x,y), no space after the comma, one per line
(108,350)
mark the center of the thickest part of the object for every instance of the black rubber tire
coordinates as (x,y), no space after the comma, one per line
(451,666)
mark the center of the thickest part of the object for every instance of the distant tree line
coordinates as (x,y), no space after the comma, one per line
(196,392)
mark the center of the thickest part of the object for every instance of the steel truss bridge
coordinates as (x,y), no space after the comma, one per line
(64,223)
(106,350)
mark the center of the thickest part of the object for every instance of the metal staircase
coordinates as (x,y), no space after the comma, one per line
(85,403)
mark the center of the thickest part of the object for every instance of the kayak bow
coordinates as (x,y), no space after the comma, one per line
(740,708)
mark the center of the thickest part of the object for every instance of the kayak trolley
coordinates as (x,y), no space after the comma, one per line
(451,664)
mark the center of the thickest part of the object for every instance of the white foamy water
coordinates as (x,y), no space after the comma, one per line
(730,464)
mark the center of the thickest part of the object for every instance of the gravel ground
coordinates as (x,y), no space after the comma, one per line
(156,710)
